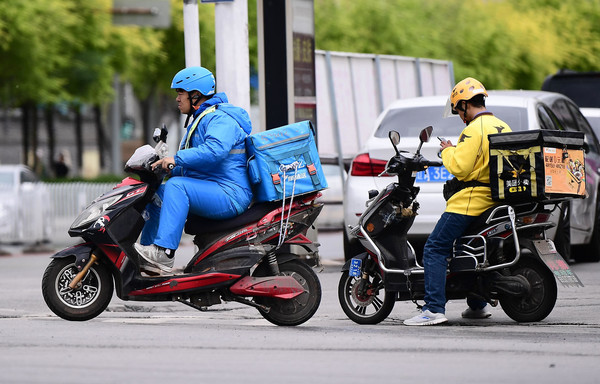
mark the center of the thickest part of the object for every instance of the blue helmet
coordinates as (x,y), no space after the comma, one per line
(195,79)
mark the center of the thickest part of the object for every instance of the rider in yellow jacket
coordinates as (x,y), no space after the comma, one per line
(468,161)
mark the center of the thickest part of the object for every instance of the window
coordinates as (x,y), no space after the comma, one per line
(410,121)
(28,177)
(584,126)
(547,119)
(561,110)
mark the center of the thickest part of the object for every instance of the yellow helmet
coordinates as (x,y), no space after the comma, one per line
(465,90)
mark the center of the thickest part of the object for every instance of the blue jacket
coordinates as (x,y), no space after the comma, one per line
(217,149)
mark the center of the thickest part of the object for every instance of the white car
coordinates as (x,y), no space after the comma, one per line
(25,208)
(332,215)
(521,110)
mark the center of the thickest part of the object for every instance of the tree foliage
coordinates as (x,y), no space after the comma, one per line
(505,43)
(68,50)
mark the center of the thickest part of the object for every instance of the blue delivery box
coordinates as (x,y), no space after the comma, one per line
(283,162)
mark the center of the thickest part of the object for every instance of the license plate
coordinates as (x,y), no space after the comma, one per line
(557,264)
(434,175)
(355,265)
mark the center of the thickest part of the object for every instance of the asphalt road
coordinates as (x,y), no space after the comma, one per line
(169,342)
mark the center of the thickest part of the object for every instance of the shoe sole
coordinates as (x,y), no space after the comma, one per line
(155,267)
(152,266)
(430,322)
(478,317)
(150,270)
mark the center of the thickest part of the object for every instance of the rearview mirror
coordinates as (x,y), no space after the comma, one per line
(394,137)
(425,134)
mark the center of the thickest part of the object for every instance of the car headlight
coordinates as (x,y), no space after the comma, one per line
(94,211)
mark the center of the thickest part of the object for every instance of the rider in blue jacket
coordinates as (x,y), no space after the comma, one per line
(209,176)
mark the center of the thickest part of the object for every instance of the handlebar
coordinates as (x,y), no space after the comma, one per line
(433,163)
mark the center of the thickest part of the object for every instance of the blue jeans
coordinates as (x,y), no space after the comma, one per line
(437,252)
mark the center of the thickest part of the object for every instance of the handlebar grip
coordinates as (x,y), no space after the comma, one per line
(433,163)
(171,166)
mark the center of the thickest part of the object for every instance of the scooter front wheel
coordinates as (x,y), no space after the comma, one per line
(365,301)
(290,312)
(87,300)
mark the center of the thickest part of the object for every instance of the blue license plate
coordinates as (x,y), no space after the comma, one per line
(355,265)
(434,175)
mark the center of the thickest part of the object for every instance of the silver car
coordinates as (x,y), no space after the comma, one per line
(521,110)
(25,208)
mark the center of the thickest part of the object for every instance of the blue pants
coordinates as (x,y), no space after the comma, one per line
(181,196)
(437,252)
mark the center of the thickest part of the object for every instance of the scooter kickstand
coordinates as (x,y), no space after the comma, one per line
(190,304)
(263,308)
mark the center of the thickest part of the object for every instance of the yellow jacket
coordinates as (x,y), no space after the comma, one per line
(469,161)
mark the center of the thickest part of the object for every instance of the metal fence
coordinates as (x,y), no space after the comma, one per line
(69,199)
(45,211)
(354,88)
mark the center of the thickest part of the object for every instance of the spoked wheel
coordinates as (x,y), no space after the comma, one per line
(540,301)
(294,311)
(87,300)
(365,304)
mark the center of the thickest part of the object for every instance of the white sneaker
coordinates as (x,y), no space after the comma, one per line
(471,313)
(156,258)
(426,318)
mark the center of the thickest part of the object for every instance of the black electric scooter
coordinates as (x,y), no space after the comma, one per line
(503,257)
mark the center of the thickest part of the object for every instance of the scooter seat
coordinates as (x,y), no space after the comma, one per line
(197,225)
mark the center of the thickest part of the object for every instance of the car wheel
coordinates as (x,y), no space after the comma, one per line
(591,252)
(562,238)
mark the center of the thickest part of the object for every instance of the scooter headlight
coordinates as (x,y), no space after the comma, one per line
(94,211)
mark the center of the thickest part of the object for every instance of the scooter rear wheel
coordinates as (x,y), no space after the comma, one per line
(538,304)
(299,309)
(86,301)
(369,305)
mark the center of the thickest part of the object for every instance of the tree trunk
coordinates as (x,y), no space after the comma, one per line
(148,107)
(25,132)
(49,117)
(79,136)
(100,134)
(38,164)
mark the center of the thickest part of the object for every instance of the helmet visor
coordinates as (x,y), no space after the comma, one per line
(448,110)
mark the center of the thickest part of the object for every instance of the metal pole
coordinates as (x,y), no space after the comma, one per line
(379,83)
(191,33)
(116,128)
(418,73)
(191,38)
(231,46)
(451,72)
(334,115)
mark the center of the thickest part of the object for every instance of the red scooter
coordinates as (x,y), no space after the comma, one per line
(249,259)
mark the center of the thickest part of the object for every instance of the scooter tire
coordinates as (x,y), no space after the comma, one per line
(540,301)
(83,303)
(291,312)
(357,308)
